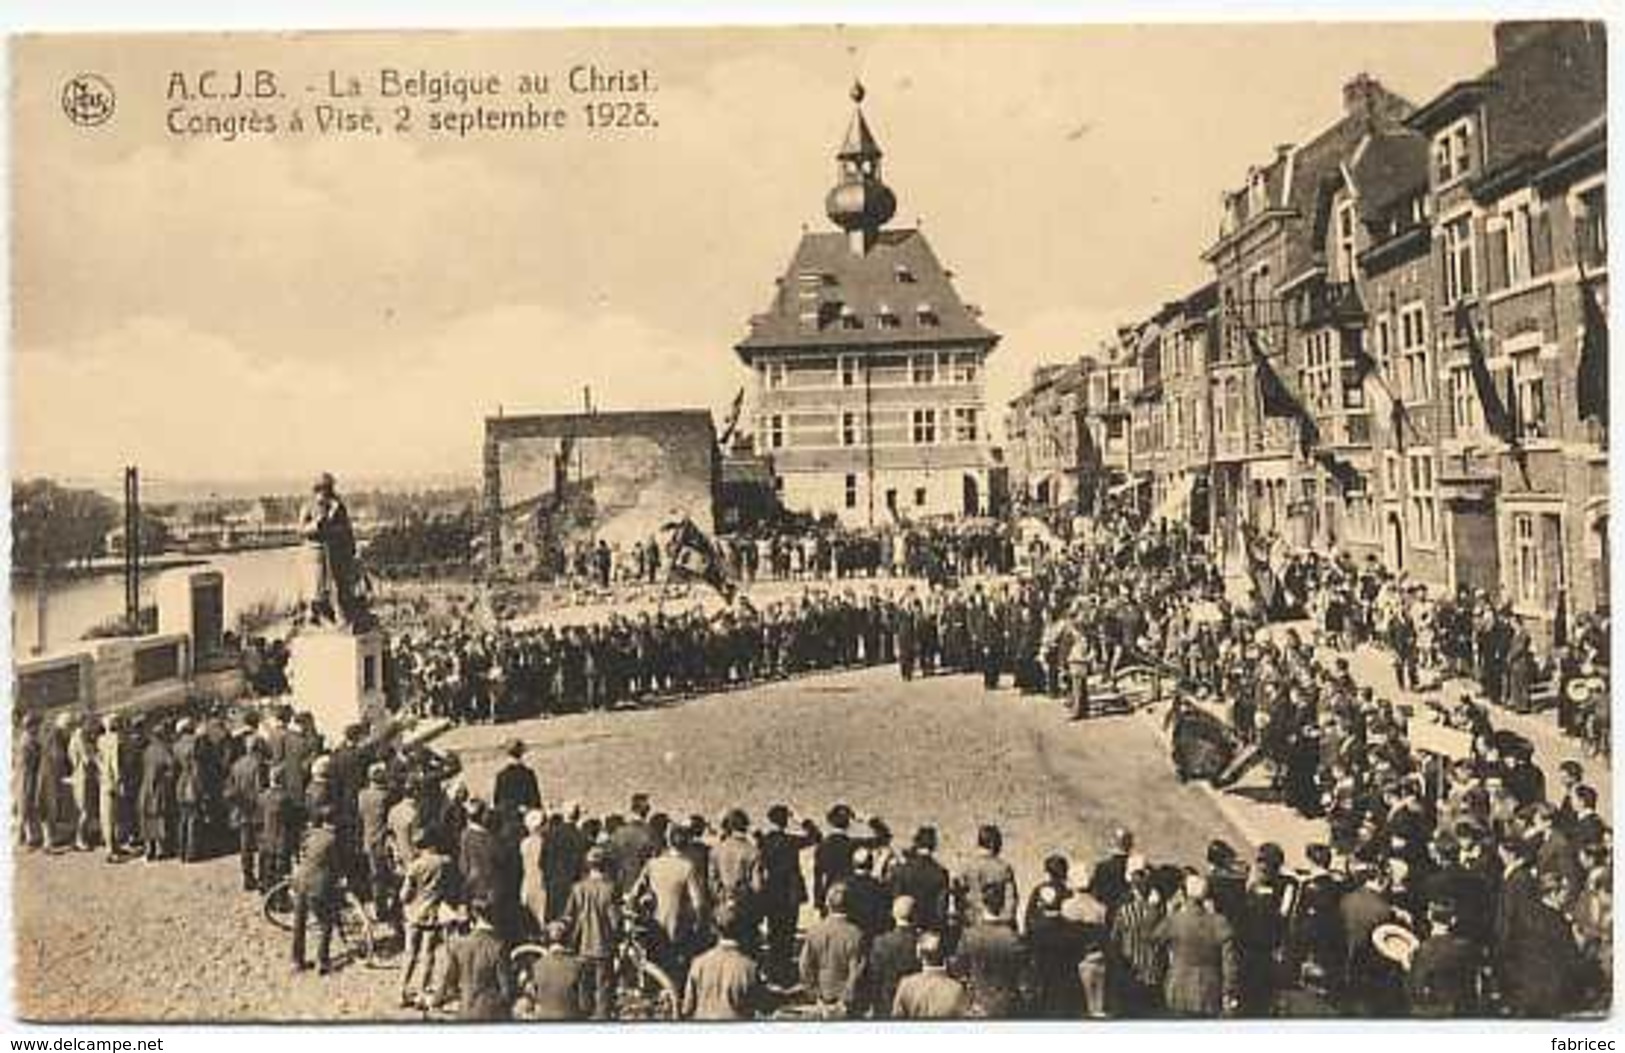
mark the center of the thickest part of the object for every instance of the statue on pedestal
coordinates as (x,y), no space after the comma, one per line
(335,593)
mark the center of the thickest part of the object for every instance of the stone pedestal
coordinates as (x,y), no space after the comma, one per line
(338,676)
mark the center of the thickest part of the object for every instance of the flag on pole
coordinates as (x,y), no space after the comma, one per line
(1591,392)
(692,556)
(1273,394)
(730,423)
(1497,418)
(1384,401)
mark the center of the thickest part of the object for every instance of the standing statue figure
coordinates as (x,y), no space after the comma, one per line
(334,574)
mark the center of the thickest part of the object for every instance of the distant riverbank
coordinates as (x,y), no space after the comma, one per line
(74,604)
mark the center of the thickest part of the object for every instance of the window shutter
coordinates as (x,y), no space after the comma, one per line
(1540,241)
(1495,257)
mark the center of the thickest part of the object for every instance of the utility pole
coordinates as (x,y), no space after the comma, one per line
(132,547)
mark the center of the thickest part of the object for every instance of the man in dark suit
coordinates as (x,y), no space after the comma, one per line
(895,954)
(516,790)
(1541,968)
(477,971)
(832,860)
(921,878)
(784,889)
(1109,880)
(555,981)
(1518,892)
(316,892)
(868,902)
(1587,827)
(244,785)
(992,961)
(1443,976)
(633,844)
(479,859)
(907,629)
(278,811)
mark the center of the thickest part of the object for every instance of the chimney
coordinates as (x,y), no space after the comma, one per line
(1362,97)
(1511,36)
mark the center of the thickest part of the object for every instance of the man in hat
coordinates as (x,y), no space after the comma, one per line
(784,888)
(924,880)
(330,549)
(244,785)
(1442,980)
(832,860)
(593,916)
(515,791)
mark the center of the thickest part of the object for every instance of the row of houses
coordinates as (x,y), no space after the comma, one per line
(1401,353)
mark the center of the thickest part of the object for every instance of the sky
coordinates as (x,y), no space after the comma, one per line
(270,307)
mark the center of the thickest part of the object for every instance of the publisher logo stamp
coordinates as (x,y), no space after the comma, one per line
(87,99)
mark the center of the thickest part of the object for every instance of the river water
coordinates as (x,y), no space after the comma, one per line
(74,606)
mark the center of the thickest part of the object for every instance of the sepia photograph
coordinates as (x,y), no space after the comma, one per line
(873,523)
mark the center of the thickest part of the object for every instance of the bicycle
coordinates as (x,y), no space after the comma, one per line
(352,927)
(643,990)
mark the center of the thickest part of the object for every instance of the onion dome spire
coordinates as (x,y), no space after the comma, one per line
(860,203)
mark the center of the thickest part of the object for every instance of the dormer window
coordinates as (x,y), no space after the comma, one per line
(904,275)
(1257,192)
(886,318)
(926,315)
(1453,152)
(849,318)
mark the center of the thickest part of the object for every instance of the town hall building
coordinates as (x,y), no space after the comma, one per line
(868,394)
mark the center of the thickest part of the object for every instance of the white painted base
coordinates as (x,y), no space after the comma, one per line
(337,676)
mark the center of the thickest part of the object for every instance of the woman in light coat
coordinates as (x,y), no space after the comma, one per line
(532,881)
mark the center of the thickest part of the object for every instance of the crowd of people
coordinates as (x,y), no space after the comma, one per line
(822,551)
(1452,879)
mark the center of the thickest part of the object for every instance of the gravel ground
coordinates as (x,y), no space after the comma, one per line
(164,942)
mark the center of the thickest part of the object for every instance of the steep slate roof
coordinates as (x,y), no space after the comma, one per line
(863,284)
(1392,166)
(1319,163)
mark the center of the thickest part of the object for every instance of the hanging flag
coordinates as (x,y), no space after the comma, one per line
(1344,474)
(730,423)
(1384,401)
(1308,433)
(690,555)
(1592,384)
(1273,394)
(1497,418)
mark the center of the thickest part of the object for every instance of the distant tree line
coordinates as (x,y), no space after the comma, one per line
(56,527)
(417,541)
